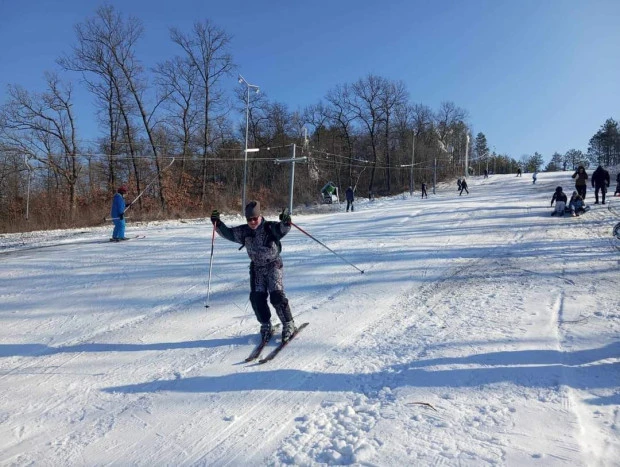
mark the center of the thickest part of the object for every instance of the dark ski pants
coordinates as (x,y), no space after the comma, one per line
(266,282)
(349,205)
(424,193)
(462,191)
(603,190)
(581,189)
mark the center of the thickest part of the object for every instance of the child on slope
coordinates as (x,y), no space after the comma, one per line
(559,198)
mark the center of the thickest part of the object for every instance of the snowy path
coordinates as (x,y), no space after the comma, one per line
(504,319)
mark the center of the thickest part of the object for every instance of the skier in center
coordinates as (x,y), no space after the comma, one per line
(261,239)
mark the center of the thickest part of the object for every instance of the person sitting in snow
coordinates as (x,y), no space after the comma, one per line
(559,198)
(261,239)
(576,204)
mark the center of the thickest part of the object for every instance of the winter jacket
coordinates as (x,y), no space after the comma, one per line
(558,196)
(576,202)
(118,206)
(349,194)
(262,244)
(581,177)
(600,177)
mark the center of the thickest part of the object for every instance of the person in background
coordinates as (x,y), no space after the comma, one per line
(261,239)
(350,198)
(581,181)
(458,184)
(519,172)
(424,193)
(463,187)
(534,176)
(576,204)
(486,173)
(560,202)
(617,192)
(600,182)
(117,213)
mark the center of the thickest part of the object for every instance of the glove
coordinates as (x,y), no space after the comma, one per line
(215,217)
(121,216)
(128,206)
(285,217)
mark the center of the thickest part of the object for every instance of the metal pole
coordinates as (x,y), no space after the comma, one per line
(210,266)
(245,154)
(467,156)
(292,184)
(434,175)
(411,186)
(28,194)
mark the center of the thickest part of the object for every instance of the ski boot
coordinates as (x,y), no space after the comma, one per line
(266,331)
(288,329)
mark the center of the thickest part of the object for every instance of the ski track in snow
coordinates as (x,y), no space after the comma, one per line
(483,332)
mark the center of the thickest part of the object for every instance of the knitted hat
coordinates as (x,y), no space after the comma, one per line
(252,209)
(122,189)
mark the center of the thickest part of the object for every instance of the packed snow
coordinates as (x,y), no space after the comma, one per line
(483,332)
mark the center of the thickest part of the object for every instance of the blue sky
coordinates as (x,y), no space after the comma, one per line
(534,75)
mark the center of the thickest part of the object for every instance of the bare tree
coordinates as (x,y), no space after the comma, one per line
(367,103)
(42,126)
(341,115)
(178,79)
(206,49)
(106,47)
(393,97)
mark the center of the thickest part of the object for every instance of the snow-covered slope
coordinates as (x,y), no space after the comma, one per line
(483,332)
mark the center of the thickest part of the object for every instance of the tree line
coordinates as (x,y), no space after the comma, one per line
(366,134)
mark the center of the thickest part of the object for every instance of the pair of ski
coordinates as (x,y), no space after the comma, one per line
(271,355)
(127,238)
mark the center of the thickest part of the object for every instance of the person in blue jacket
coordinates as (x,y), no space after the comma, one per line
(118,215)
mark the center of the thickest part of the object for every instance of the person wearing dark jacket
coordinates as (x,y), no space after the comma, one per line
(424,192)
(617,185)
(581,181)
(600,181)
(261,239)
(560,200)
(463,187)
(350,198)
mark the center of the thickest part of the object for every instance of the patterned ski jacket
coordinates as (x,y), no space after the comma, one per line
(263,244)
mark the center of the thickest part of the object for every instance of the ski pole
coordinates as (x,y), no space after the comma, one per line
(210,267)
(325,246)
